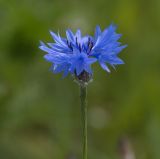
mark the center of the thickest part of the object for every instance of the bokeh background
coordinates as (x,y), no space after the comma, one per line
(40,113)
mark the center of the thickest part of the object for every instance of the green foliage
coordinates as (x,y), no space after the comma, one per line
(40,113)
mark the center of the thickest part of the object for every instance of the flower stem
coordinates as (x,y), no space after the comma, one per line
(83,95)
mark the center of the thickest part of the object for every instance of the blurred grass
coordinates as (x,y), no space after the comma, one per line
(39,112)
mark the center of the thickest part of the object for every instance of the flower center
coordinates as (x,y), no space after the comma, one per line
(83,78)
(69,45)
(90,45)
(80,46)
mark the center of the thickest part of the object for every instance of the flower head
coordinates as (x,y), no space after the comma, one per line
(76,53)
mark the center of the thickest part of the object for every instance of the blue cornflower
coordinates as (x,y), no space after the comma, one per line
(76,53)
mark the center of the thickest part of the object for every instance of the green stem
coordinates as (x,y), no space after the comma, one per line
(83,95)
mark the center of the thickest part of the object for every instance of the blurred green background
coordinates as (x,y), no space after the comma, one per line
(40,112)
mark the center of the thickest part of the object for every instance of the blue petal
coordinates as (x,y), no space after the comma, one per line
(66,72)
(61,68)
(104,66)
(58,39)
(78,34)
(45,48)
(119,49)
(97,32)
(79,67)
(58,68)
(91,60)
(88,69)
(70,35)
(116,61)
(60,58)
(42,43)
(59,49)
(105,36)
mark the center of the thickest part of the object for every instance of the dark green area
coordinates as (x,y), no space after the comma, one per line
(40,112)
